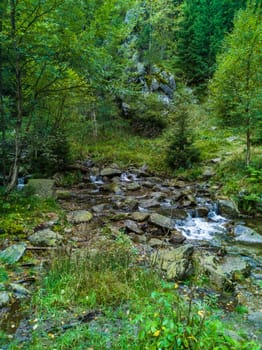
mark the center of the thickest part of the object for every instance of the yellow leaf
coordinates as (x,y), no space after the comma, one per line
(156,333)
(201,313)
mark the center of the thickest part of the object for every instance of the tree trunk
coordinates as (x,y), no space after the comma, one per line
(19,102)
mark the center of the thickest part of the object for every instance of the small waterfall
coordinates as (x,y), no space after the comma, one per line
(128,177)
(203,228)
(20,183)
(97,180)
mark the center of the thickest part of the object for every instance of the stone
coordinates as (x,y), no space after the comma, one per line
(154,84)
(247,236)
(134,186)
(176,262)
(133,227)
(161,221)
(180,214)
(156,243)
(63,194)
(42,187)
(79,216)
(208,172)
(4,299)
(98,208)
(149,203)
(176,237)
(18,290)
(110,172)
(13,253)
(139,216)
(202,212)
(45,238)
(228,208)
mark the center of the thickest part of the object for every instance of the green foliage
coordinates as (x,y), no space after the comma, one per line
(201,30)
(181,152)
(237,98)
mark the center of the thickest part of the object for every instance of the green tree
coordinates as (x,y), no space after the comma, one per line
(203,24)
(236,89)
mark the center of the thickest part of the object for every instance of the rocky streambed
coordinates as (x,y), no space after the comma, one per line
(181,227)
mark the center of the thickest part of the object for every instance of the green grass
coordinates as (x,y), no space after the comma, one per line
(132,306)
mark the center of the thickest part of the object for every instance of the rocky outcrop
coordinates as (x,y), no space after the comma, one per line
(228,208)
(247,236)
(161,221)
(176,262)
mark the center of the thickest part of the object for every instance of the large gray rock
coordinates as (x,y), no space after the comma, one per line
(149,203)
(139,216)
(110,172)
(228,208)
(176,262)
(247,236)
(42,187)
(4,298)
(133,227)
(223,273)
(13,253)
(79,216)
(19,291)
(45,238)
(161,221)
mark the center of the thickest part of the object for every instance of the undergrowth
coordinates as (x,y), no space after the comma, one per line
(107,298)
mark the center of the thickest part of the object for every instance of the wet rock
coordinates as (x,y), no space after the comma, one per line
(98,208)
(42,187)
(176,262)
(19,291)
(180,214)
(79,216)
(256,318)
(161,221)
(158,195)
(176,237)
(141,239)
(63,194)
(112,187)
(247,236)
(4,299)
(202,212)
(134,186)
(149,203)
(139,216)
(45,238)
(13,253)
(110,172)
(228,208)
(133,227)
(128,204)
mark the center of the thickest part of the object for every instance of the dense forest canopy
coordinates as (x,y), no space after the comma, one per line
(69,67)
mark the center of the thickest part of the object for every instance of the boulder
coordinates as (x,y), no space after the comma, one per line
(247,236)
(139,216)
(149,203)
(176,262)
(19,291)
(134,186)
(156,243)
(110,172)
(42,187)
(228,208)
(176,237)
(133,227)
(79,216)
(13,253)
(223,273)
(4,298)
(161,221)
(45,238)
